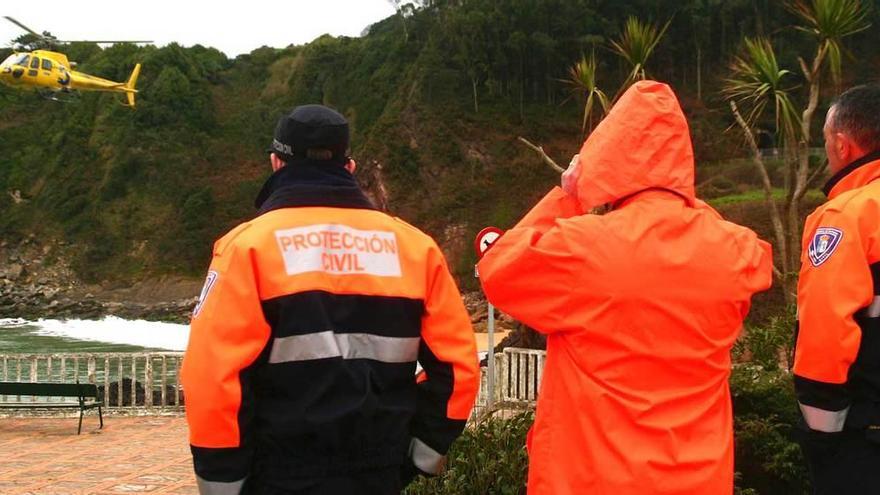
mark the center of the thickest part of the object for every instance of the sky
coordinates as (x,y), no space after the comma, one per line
(233,27)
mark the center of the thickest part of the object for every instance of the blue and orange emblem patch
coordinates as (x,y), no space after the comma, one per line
(823,245)
(206,290)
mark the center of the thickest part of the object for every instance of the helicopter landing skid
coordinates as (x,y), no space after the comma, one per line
(63,96)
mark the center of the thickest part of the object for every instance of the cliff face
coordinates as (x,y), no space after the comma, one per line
(436,101)
(130,195)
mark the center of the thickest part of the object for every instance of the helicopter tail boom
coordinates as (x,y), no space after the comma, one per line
(130,85)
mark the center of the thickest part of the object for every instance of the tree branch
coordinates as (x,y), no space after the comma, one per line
(540,150)
(778,273)
(776,219)
(816,174)
(806,71)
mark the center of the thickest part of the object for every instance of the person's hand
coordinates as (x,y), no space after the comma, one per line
(571,175)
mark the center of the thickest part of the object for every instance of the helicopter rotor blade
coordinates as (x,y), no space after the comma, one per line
(104,41)
(29,30)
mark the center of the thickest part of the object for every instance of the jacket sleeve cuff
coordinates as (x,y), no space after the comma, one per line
(221,465)
(219,487)
(425,458)
(822,395)
(823,420)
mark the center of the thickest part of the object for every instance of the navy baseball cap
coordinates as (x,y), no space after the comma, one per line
(311,127)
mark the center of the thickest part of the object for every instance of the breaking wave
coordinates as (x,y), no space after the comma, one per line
(111,329)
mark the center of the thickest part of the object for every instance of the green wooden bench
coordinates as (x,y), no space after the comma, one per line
(86,394)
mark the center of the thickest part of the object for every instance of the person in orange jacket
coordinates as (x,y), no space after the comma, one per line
(640,306)
(300,370)
(837,354)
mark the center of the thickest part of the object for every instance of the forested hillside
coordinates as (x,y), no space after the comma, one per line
(436,96)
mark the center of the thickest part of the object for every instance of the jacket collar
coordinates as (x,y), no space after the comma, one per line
(854,175)
(653,191)
(305,183)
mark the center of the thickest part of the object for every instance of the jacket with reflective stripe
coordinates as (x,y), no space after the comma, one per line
(640,306)
(837,354)
(303,348)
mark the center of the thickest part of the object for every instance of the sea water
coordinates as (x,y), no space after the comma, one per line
(110,334)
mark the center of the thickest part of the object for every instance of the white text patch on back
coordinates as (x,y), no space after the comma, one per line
(340,250)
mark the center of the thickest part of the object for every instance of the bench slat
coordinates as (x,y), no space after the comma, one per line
(47,405)
(49,389)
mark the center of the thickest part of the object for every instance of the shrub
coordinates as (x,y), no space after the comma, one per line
(489,458)
(768,459)
(769,346)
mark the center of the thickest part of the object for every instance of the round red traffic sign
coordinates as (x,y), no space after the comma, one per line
(485,239)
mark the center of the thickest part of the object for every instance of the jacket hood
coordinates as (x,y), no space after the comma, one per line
(643,143)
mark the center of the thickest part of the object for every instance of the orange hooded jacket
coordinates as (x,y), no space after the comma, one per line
(641,307)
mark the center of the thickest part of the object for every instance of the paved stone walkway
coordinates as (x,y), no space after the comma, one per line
(44,456)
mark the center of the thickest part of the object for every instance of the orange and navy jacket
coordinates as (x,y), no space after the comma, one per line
(640,306)
(837,353)
(303,347)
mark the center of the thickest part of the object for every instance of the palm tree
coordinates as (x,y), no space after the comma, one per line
(582,80)
(756,81)
(830,21)
(636,44)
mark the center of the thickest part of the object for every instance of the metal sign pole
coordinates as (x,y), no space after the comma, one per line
(490,382)
(485,239)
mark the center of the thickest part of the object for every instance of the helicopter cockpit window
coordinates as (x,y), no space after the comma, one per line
(23,60)
(35,63)
(47,64)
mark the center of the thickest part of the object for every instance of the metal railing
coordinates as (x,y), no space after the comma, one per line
(125,380)
(151,381)
(518,374)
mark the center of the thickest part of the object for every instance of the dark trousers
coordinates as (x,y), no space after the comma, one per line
(384,481)
(845,463)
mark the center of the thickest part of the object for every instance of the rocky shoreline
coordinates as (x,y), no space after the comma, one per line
(36,282)
(32,302)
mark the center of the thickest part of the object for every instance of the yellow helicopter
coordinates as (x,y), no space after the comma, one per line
(51,74)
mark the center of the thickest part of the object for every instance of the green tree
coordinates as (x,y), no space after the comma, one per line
(582,80)
(636,44)
(471,53)
(757,82)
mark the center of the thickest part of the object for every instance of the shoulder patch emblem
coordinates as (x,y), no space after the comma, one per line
(823,245)
(206,290)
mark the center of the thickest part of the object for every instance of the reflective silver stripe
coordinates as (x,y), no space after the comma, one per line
(426,458)
(822,420)
(324,345)
(218,487)
(874,308)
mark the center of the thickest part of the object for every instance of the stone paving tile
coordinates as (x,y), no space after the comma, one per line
(44,456)
(96,476)
(180,489)
(134,488)
(66,487)
(12,465)
(7,486)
